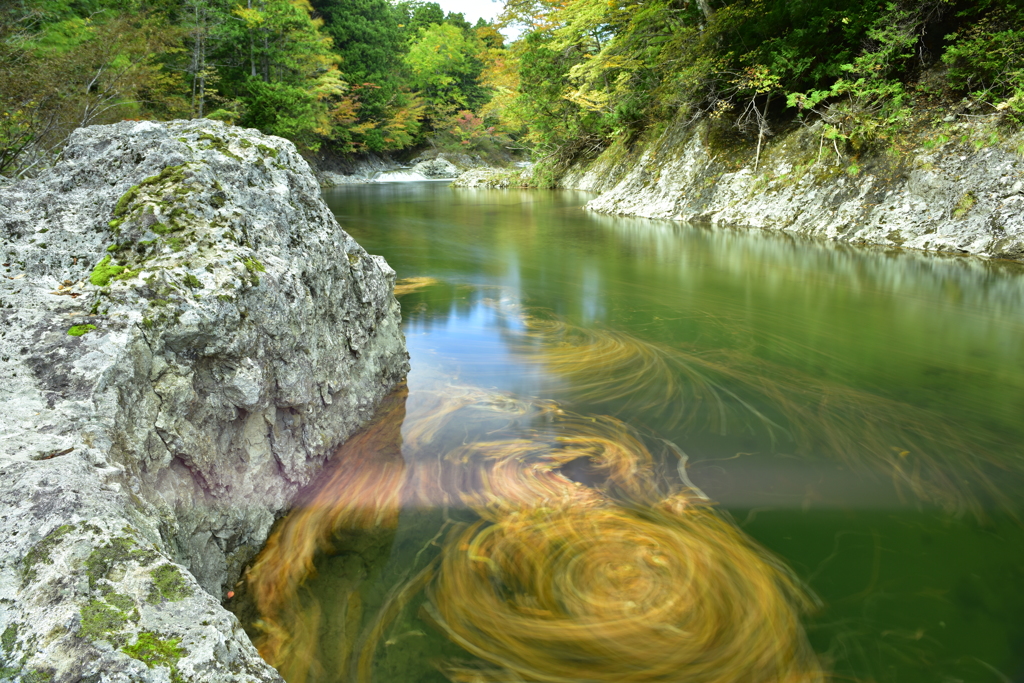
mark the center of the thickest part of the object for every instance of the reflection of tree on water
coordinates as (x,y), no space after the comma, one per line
(733,391)
(627,577)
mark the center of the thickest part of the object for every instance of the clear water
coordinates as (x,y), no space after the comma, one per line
(867,428)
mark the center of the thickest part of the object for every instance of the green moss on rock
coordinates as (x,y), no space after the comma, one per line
(37,676)
(117,551)
(9,638)
(253,266)
(103,272)
(154,651)
(219,144)
(100,621)
(119,601)
(171,174)
(168,584)
(964,206)
(40,552)
(126,200)
(79,330)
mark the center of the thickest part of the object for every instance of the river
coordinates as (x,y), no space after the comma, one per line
(843,424)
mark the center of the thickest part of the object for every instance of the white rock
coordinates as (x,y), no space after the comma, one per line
(142,449)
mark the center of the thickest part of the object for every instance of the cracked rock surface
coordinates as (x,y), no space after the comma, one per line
(953,196)
(187,334)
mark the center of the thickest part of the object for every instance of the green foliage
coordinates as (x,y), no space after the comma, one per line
(18,131)
(368,38)
(986,59)
(65,66)
(280,109)
(560,128)
(444,69)
(332,72)
(293,87)
(590,72)
(417,15)
(359,75)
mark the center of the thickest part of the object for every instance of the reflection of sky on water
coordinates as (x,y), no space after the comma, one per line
(463,343)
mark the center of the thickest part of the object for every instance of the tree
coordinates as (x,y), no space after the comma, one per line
(297,91)
(61,71)
(365,33)
(415,15)
(444,68)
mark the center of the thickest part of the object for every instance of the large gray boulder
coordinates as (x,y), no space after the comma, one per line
(187,334)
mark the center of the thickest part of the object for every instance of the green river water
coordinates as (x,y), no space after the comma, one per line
(860,417)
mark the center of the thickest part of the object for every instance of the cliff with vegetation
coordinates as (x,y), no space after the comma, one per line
(188,334)
(891,123)
(957,189)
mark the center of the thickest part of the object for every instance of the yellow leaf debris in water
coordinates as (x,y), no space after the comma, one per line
(413,284)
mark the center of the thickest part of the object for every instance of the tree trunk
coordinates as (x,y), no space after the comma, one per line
(762,125)
(252,47)
(705,8)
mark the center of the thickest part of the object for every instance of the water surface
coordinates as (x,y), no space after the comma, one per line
(856,412)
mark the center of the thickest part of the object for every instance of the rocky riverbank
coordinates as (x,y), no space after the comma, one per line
(187,335)
(370,168)
(956,187)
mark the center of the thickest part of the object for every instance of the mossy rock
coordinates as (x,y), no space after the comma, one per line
(118,550)
(168,584)
(104,271)
(40,552)
(101,621)
(79,330)
(155,651)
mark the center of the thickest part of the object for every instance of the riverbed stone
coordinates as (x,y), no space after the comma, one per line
(436,169)
(187,335)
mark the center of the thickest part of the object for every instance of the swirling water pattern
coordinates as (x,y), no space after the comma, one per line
(641,451)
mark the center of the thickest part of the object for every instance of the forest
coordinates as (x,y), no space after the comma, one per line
(356,76)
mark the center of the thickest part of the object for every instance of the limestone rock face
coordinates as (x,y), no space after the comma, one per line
(186,336)
(493,178)
(952,197)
